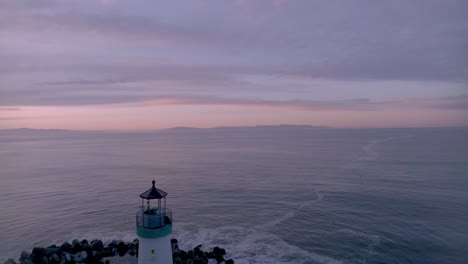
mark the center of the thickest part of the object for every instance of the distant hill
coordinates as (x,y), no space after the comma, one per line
(186,130)
(180,129)
(189,129)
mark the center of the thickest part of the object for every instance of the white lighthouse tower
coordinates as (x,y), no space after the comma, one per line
(154,226)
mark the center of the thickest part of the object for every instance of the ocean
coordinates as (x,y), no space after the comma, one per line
(267,194)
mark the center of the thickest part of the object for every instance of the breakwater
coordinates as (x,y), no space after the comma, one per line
(95,252)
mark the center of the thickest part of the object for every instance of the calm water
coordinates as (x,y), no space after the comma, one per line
(266,194)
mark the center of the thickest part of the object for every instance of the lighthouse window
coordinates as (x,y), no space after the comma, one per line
(153,254)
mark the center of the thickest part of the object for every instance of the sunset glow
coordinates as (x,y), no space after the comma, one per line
(115,65)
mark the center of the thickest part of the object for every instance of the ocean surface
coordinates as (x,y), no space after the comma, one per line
(280,194)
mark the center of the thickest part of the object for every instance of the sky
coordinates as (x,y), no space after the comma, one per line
(146,65)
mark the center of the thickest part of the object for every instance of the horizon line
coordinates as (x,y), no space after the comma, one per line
(220,127)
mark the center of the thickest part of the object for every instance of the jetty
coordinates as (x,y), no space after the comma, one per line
(153,244)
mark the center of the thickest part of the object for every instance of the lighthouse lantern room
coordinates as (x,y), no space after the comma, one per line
(154,226)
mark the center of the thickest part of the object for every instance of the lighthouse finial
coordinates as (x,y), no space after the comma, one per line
(154,182)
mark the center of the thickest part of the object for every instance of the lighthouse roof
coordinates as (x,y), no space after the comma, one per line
(153,193)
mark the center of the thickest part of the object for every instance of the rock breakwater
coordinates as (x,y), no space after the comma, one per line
(95,252)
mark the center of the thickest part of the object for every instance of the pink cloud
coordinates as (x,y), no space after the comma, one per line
(359,104)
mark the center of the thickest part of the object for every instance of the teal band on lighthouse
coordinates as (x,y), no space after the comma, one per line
(153,227)
(154,233)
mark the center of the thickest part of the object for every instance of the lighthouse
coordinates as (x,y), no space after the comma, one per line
(154,226)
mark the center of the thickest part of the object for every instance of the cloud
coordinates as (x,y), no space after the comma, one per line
(15,118)
(84,52)
(397,40)
(450,103)
(359,104)
(9,109)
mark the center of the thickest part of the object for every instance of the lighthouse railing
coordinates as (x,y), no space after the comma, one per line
(154,218)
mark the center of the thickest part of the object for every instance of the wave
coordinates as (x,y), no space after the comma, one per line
(319,196)
(244,245)
(249,245)
(371,242)
(369,151)
(276,221)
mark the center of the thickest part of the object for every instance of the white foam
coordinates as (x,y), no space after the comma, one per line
(369,151)
(372,241)
(248,245)
(276,221)
(303,204)
(244,245)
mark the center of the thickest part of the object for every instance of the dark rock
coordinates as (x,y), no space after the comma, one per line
(177,260)
(36,255)
(219,258)
(74,242)
(132,252)
(183,255)
(218,251)
(122,248)
(27,261)
(92,253)
(218,254)
(131,246)
(54,259)
(68,258)
(86,246)
(80,257)
(50,251)
(24,255)
(107,261)
(114,243)
(45,260)
(106,252)
(175,249)
(76,246)
(66,247)
(38,252)
(199,253)
(136,242)
(97,245)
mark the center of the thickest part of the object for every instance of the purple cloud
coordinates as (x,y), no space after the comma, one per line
(358,104)
(86,52)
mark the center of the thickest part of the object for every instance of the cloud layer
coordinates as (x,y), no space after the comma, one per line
(293,55)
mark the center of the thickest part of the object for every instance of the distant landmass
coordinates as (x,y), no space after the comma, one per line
(172,129)
(182,129)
